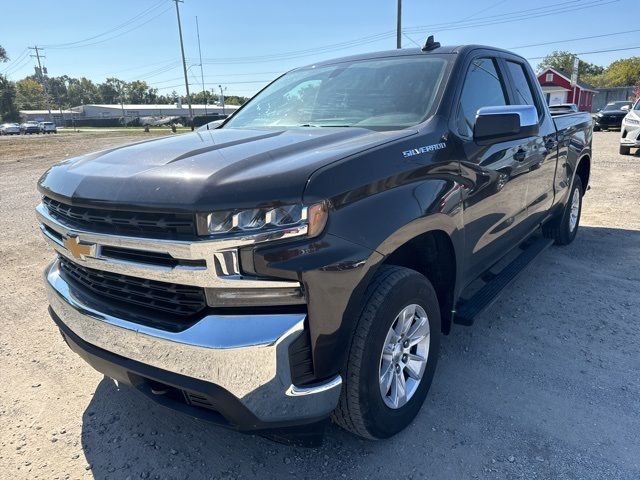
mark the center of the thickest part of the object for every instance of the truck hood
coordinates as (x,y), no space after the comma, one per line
(207,170)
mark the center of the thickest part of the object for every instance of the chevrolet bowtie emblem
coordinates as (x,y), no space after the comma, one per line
(77,249)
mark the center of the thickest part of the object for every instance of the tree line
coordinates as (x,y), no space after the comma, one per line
(621,73)
(65,92)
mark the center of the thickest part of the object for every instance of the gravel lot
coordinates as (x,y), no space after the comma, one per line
(544,385)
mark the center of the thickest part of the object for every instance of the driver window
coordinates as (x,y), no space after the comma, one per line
(482,88)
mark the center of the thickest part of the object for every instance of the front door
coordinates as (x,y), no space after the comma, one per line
(495,210)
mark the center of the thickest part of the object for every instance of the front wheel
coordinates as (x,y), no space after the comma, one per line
(393,355)
(625,150)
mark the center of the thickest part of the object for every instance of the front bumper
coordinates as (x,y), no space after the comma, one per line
(244,356)
(608,121)
(630,135)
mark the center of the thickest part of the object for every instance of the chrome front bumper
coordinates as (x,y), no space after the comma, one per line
(247,355)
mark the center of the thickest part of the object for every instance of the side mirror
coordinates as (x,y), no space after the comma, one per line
(509,122)
(625,108)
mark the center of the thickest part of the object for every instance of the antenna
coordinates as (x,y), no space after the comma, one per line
(431,44)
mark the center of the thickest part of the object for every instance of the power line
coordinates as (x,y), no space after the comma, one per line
(575,39)
(114,36)
(493,5)
(595,51)
(513,17)
(111,30)
(21,56)
(519,15)
(220,78)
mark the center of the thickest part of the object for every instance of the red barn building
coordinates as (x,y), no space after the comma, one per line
(556,85)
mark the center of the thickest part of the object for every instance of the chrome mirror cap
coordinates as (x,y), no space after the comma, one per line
(528,113)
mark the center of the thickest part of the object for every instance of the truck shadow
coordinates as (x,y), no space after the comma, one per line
(512,394)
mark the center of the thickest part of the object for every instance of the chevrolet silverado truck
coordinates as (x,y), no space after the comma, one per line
(301,260)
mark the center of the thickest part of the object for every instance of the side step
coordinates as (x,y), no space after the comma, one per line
(484,297)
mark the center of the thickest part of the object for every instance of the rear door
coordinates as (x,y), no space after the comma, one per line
(537,154)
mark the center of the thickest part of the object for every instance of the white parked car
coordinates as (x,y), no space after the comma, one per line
(10,129)
(48,127)
(630,130)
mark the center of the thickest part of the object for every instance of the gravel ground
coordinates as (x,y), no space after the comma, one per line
(544,385)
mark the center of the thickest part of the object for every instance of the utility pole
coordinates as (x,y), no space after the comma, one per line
(399,26)
(201,70)
(41,75)
(124,117)
(222,98)
(184,64)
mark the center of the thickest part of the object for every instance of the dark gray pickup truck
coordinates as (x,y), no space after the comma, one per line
(302,259)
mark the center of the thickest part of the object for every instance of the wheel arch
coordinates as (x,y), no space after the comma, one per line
(583,170)
(432,254)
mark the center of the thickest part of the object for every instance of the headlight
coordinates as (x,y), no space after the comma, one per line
(308,220)
(631,121)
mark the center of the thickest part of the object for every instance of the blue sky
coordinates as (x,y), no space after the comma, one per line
(247,43)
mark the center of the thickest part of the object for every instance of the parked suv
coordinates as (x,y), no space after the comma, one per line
(630,131)
(303,259)
(47,127)
(611,115)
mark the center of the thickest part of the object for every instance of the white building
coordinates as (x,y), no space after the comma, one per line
(141,110)
(129,111)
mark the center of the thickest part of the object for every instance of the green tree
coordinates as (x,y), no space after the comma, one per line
(563,60)
(30,95)
(81,91)
(199,98)
(139,92)
(57,87)
(622,73)
(111,90)
(8,109)
(235,100)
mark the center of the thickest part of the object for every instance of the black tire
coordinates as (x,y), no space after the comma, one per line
(625,150)
(361,409)
(596,128)
(560,231)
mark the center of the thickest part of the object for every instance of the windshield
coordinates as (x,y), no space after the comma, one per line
(388,93)
(616,105)
(637,105)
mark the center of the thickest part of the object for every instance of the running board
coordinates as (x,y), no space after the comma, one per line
(469,309)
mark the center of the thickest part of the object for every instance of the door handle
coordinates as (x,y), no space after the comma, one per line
(520,155)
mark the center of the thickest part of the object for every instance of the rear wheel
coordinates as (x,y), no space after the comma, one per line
(625,150)
(393,355)
(565,229)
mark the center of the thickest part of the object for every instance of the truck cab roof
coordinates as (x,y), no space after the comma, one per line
(443,50)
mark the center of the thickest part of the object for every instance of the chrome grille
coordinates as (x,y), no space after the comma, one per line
(123,222)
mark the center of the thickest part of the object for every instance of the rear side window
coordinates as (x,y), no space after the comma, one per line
(522,87)
(483,87)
